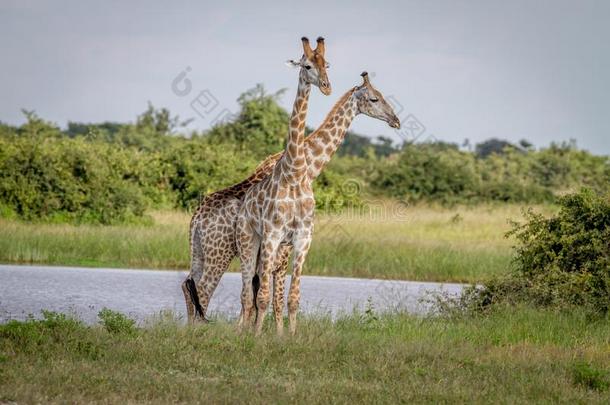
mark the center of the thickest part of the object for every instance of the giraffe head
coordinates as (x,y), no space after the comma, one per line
(313,65)
(371,102)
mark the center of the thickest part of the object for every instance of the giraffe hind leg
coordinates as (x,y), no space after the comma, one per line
(190,308)
(192,290)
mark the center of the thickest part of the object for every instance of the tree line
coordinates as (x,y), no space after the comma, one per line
(113,172)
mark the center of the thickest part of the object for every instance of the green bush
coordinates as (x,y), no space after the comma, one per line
(422,172)
(560,261)
(117,323)
(59,178)
(335,192)
(198,168)
(112,172)
(32,334)
(584,374)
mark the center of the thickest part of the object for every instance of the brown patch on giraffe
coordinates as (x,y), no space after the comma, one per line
(316,148)
(308,204)
(292,149)
(277,220)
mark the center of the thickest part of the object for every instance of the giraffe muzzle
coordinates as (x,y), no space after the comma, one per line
(325,88)
(394,122)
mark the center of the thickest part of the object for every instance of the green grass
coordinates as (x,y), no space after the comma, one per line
(511,355)
(419,243)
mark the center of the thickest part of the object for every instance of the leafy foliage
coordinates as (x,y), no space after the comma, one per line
(113,172)
(560,261)
(588,376)
(437,172)
(45,175)
(117,323)
(33,334)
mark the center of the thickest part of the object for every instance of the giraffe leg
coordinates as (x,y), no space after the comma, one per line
(268,254)
(248,252)
(212,273)
(301,247)
(190,308)
(279,279)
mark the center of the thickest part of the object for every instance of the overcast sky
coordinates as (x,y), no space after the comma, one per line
(464,69)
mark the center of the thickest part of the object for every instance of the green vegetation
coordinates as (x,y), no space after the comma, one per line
(464,244)
(513,355)
(120,195)
(117,323)
(110,173)
(560,261)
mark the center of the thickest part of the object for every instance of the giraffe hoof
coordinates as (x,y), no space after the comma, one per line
(201,321)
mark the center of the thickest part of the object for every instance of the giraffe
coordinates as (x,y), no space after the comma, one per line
(277,213)
(211,231)
(320,147)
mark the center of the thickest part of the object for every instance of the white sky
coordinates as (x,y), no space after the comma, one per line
(466,69)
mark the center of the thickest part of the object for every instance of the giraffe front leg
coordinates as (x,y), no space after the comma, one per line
(279,279)
(267,260)
(301,247)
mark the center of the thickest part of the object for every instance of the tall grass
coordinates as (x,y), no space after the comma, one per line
(512,355)
(420,243)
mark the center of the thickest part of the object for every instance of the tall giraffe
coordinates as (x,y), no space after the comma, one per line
(277,213)
(212,243)
(221,206)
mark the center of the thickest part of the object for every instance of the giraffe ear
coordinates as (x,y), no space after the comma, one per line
(293,64)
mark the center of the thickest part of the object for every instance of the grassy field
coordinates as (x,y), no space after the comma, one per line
(510,356)
(416,243)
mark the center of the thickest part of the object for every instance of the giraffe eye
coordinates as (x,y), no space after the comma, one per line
(307,67)
(374,100)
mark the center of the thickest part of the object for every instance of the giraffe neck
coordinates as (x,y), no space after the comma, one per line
(322,144)
(292,167)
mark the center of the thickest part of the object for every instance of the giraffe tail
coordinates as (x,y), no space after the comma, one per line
(192,289)
(256,281)
(256,284)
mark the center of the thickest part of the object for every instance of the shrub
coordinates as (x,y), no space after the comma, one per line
(117,323)
(30,335)
(112,172)
(335,192)
(425,173)
(43,176)
(560,261)
(590,377)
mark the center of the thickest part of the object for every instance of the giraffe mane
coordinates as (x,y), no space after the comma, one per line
(268,163)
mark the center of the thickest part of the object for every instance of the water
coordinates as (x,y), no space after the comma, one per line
(83,292)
